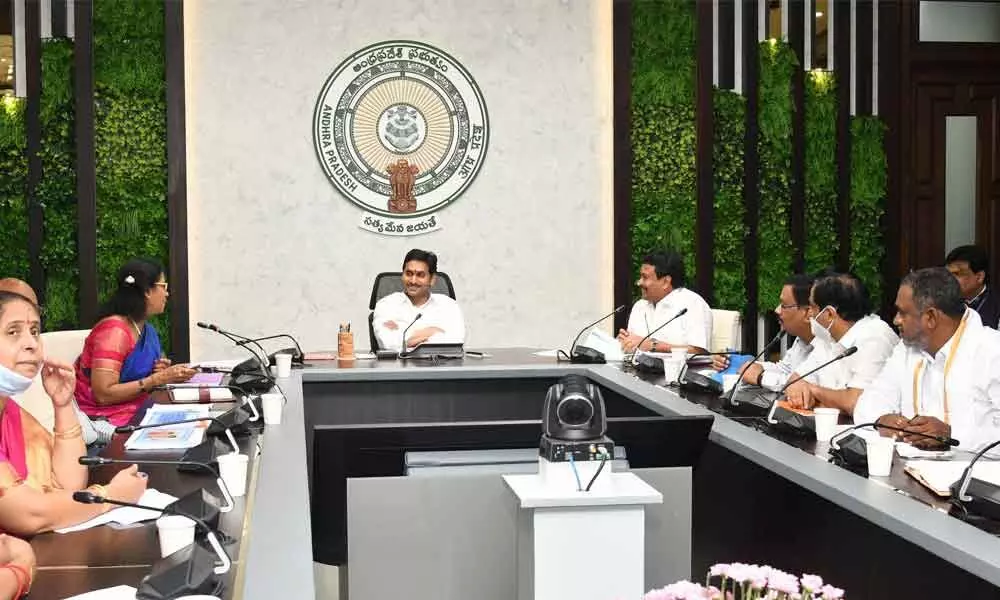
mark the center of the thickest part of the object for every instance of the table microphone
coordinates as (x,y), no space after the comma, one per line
(189,571)
(403,353)
(679,314)
(851,451)
(93,461)
(222,427)
(248,366)
(695,381)
(793,419)
(976,495)
(297,355)
(585,354)
(731,400)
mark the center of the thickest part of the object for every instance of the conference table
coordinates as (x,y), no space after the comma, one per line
(759,495)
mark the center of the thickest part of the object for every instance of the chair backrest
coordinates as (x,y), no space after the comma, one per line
(62,345)
(392,282)
(726,330)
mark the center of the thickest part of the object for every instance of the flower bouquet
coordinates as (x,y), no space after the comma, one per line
(738,581)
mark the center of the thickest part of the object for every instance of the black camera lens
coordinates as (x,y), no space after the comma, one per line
(575,411)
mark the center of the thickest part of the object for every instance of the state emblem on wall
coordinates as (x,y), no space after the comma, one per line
(400,129)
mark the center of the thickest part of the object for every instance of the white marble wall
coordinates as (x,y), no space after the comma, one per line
(274,247)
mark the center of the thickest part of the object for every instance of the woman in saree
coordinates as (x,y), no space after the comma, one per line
(40,471)
(122,360)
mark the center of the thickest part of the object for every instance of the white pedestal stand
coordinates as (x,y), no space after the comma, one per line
(574,545)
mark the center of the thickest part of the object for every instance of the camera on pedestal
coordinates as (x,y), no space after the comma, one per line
(574,446)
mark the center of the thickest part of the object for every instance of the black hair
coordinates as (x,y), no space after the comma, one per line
(846,293)
(428,258)
(935,287)
(134,279)
(979,261)
(667,262)
(801,286)
(8,297)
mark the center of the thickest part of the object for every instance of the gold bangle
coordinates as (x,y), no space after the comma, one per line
(99,490)
(69,434)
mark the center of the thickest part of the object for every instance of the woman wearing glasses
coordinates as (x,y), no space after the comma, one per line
(122,359)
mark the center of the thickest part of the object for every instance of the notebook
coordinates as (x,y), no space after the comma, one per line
(938,475)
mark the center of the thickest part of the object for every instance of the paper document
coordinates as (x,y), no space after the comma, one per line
(126,515)
(547,353)
(188,395)
(605,343)
(119,592)
(938,475)
(170,437)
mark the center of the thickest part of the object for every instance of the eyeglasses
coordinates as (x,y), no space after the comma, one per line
(163,284)
(791,306)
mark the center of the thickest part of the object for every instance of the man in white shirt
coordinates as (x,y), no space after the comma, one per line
(661,279)
(423,316)
(943,379)
(841,308)
(793,315)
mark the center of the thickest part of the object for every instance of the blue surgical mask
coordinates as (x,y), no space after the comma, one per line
(12,383)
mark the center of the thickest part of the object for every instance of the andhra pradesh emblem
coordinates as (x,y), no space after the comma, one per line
(401,129)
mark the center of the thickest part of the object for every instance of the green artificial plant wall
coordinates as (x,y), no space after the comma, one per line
(777,61)
(821,210)
(57,187)
(13,172)
(130,138)
(730,229)
(868,188)
(663,135)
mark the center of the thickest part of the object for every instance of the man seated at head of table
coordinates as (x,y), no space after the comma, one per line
(943,378)
(842,319)
(661,279)
(39,471)
(794,316)
(440,319)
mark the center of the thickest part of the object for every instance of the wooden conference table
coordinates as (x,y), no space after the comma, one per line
(759,496)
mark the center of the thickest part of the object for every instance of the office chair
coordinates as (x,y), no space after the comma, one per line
(391,282)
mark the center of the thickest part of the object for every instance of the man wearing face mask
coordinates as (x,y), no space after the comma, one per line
(943,378)
(842,319)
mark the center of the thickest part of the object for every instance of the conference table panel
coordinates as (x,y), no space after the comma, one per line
(53,584)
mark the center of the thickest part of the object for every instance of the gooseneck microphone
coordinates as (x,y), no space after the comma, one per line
(402,350)
(976,495)
(86,497)
(594,357)
(259,361)
(694,381)
(774,405)
(941,439)
(225,429)
(731,400)
(93,461)
(679,314)
(297,356)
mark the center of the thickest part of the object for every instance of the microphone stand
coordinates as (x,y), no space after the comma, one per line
(587,358)
(801,422)
(215,420)
(248,397)
(403,352)
(851,451)
(635,352)
(298,357)
(85,497)
(92,461)
(731,400)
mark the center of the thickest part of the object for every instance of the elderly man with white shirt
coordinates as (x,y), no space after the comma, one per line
(421,315)
(943,378)
(841,319)
(661,279)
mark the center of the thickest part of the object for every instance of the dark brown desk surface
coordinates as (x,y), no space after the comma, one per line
(137,545)
(62,583)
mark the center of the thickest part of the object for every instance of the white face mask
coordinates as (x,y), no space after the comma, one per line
(820,332)
(12,383)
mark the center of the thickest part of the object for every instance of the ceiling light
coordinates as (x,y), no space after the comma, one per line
(819,14)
